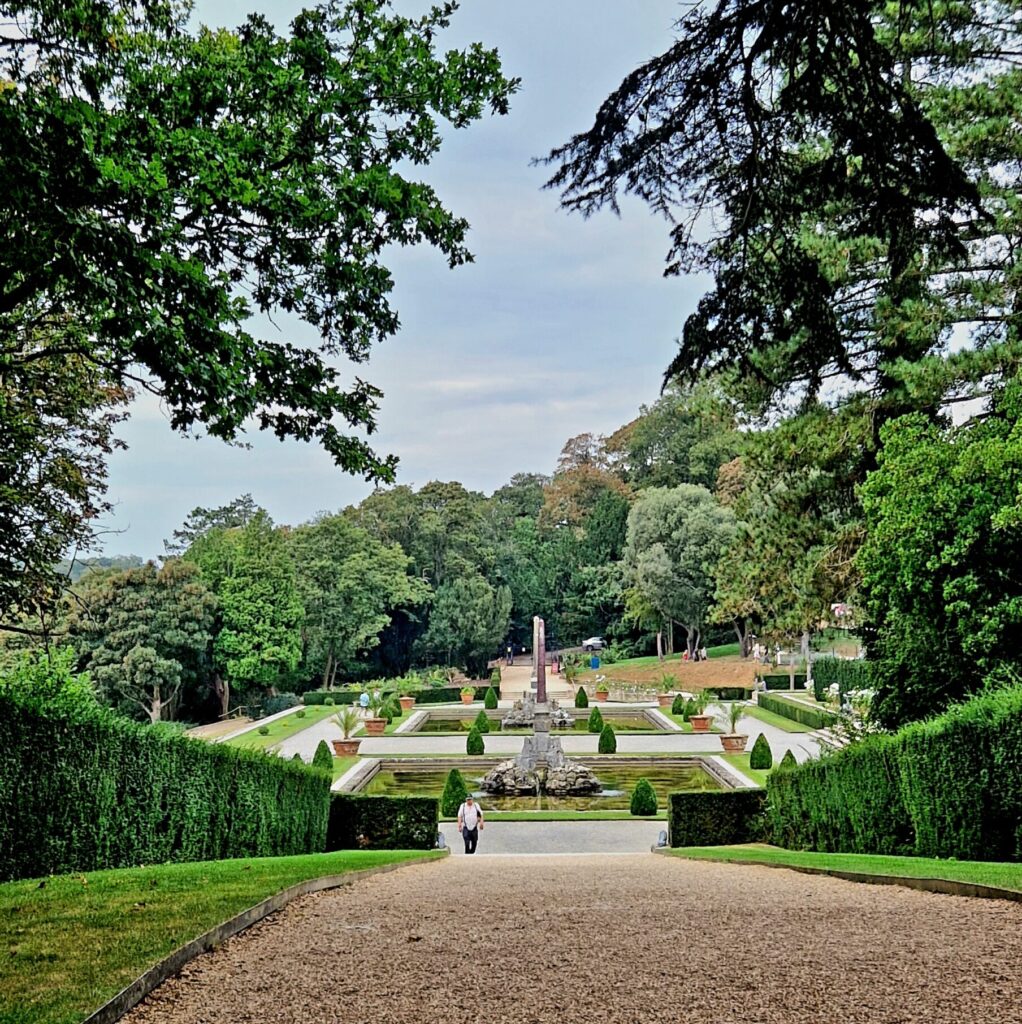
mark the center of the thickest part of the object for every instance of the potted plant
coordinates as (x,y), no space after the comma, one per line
(732,741)
(468,694)
(407,701)
(380,709)
(348,719)
(700,721)
(665,692)
(602,689)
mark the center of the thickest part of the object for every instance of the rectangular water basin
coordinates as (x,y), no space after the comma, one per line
(452,720)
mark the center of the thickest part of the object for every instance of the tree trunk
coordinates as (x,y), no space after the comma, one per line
(155,708)
(660,645)
(222,692)
(327,674)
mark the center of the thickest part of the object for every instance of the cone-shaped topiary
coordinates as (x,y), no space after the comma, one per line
(474,744)
(643,798)
(678,704)
(481,723)
(608,741)
(300,759)
(761,757)
(490,700)
(495,676)
(595,721)
(788,761)
(323,758)
(454,793)
(581,698)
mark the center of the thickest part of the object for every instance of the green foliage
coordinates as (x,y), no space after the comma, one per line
(784,681)
(947,787)
(47,679)
(329,701)
(644,800)
(481,723)
(323,759)
(608,741)
(730,692)
(382,822)
(264,730)
(815,718)
(490,701)
(454,793)
(300,713)
(848,674)
(595,721)
(298,759)
(716,818)
(679,704)
(582,699)
(474,744)
(83,789)
(280,702)
(787,762)
(495,677)
(761,757)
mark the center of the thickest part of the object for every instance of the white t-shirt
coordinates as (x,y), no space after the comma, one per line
(469,816)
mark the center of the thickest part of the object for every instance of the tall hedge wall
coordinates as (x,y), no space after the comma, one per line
(716,818)
(382,822)
(815,718)
(848,674)
(83,789)
(948,787)
(428,695)
(783,682)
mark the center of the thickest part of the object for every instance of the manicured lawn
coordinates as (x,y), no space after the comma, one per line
(568,816)
(772,718)
(723,651)
(1005,876)
(686,726)
(341,765)
(282,729)
(741,762)
(70,943)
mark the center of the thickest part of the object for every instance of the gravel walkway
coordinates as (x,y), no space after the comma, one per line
(617,939)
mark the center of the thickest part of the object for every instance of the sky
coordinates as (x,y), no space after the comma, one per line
(561,326)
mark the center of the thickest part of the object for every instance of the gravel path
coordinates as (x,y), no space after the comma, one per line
(617,939)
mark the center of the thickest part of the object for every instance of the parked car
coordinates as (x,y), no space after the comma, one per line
(594,643)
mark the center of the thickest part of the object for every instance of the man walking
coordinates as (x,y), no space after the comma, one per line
(470,821)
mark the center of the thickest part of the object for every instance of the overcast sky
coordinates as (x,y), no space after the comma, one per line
(561,326)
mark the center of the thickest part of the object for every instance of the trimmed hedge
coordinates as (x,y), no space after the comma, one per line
(788,761)
(427,695)
(848,674)
(382,822)
(474,745)
(761,757)
(783,682)
(815,718)
(322,758)
(731,692)
(947,787)
(716,818)
(454,793)
(83,790)
(595,721)
(607,743)
(490,700)
(481,723)
(337,696)
(644,802)
(581,698)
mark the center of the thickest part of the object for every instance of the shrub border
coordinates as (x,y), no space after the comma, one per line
(130,996)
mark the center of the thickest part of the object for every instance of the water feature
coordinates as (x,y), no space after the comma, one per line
(620,722)
(618,781)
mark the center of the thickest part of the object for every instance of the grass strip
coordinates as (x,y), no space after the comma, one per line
(741,762)
(282,728)
(774,719)
(995,873)
(70,943)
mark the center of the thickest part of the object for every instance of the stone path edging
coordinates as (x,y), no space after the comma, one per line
(133,994)
(944,886)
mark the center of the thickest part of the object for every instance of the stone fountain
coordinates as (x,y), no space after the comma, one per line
(541,766)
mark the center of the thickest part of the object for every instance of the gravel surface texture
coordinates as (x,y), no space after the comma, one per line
(618,939)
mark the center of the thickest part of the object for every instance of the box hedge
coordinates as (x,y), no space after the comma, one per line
(815,718)
(716,818)
(731,692)
(947,787)
(848,674)
(382,822)
(83,789)
(427,695)
(783,682)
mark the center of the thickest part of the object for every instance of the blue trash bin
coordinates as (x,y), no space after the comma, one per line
(594,661)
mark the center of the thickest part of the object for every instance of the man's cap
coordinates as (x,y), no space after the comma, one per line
(470,797)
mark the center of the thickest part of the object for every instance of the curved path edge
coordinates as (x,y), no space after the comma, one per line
(134,993)
(944,886)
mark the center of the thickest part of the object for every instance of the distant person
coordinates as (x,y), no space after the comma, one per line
(510,654)
(703,656)
(363,700)
(470,821)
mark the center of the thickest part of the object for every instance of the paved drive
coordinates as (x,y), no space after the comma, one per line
(615,939)
(559,837)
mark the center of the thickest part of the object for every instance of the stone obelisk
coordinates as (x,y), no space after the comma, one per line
(541,724)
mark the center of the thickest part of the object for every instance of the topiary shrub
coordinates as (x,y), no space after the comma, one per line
(761,756)
(581,698)
(264,730)
(474,744)
(678,704)
(328,701)
(495,677)
(454,793)
(595,721)
(644,798)
(481,723)
(608,741)
(278,703)
(490,700)
(323,759)
(300,713)
(298,758)
(788,761)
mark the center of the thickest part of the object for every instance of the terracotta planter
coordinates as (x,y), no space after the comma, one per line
(601,696)
(407,703)
(733,743)
(700,723)
(345,748)
(665,700)
(467,698)
(375,726)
